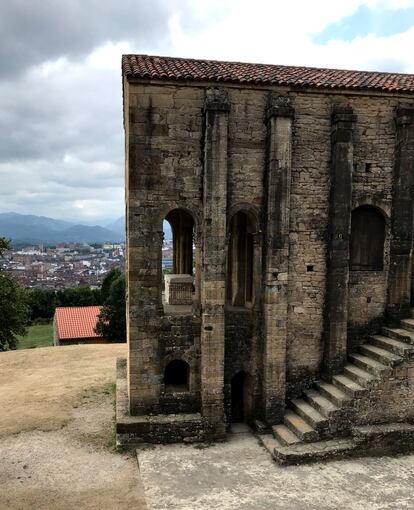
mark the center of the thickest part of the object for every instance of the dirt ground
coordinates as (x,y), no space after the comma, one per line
(56,431)
(240,475)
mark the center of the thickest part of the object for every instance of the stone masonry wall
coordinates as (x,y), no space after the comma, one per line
(165,158)
(391,401)
(239,351)
(374,152)
(180,340)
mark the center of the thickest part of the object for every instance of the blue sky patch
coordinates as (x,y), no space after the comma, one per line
(364,21)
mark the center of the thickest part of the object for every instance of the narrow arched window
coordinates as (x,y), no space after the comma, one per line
(367,239)
(176,376)
(182,227)
(177,258)
(240,260)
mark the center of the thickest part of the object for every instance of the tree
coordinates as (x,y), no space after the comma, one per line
(14,310)
(79,296)
(112,319)
(42,303)
(113,275)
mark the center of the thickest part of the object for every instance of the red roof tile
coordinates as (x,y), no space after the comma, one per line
(185,69)
(76,321)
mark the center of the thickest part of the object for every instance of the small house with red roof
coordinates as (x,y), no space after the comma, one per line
(76,325)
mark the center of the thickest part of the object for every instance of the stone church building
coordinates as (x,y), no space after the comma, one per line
(289,191)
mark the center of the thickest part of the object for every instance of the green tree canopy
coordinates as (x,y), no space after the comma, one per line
(112,319)
(14,309)
(113,275)
(42,303)
(78,296)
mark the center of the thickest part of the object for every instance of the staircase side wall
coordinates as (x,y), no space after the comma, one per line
(392,400)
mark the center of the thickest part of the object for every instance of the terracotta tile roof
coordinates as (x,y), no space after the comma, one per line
(76,321)
(185,69)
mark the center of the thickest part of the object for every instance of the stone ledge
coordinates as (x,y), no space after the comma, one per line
(307,452)
(388,438)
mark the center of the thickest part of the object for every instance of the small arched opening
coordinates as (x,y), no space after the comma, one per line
(176,376)
(367,239)
(241,400)
(240,275)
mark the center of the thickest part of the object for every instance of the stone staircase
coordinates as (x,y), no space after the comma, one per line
(325,411)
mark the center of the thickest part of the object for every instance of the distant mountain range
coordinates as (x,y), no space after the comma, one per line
(30,229)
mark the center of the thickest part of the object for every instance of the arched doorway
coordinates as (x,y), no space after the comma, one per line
(240,397)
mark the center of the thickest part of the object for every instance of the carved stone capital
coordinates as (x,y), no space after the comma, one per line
(343,123)
(217,100)
(279,106)
(405,115)
(344,116)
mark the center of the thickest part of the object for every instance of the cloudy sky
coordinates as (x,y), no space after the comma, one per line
(61,143)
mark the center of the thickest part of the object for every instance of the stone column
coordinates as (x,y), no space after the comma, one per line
(276,257)
(197,276)
(336,306)
(399,279)
(213,278)
(257,270)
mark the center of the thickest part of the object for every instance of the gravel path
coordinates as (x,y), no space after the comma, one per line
(240,475)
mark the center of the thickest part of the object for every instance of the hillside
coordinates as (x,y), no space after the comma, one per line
(56,440)
(31,229)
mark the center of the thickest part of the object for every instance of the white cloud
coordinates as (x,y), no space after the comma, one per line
(281,33)
(61,149)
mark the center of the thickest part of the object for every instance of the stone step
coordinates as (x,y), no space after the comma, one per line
(309,414)
(370,365)
(408,324)
(299,427)
(321,403)
(391,345)
(404,335)
(269,442)
(381,355)
(349,386)
(359,375)
(284,435)
(333,393)
(313,452)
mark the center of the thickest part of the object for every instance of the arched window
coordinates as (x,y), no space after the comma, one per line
(182,226)
(176,376)
(240,260)
(367,239)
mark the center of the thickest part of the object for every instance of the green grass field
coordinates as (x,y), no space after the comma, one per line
(40,335)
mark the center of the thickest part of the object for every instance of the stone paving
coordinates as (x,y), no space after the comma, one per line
(240,474)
